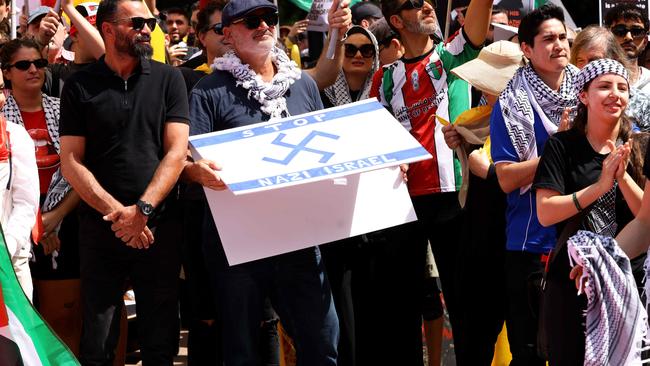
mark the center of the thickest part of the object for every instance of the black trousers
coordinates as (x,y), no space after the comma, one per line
(481,273)
(440,223)
(387,286)
(203,343)
(523,307)
(106,266)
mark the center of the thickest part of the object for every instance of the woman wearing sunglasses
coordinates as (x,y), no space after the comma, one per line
(360,62)
(24,69)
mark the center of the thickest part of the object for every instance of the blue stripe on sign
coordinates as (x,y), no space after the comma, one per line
(332,169)
(322,116)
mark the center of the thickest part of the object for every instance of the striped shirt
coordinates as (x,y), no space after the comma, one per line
(419,92)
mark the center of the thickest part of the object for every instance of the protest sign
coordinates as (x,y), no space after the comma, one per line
(318,15)
(308,180)
(326,144)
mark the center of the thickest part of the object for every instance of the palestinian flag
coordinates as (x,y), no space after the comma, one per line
(25,339)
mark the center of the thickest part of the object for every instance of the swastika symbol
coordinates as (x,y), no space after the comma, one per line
(302,146)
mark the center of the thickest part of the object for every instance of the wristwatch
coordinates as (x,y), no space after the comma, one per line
(145,207)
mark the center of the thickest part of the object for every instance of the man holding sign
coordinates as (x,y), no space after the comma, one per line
(421,92)
(233,96)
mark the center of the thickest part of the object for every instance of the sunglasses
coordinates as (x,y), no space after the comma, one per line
(415,4)
(367,50)
(137,23)
(217,28)
(636,32)
(254,21)
(26,64)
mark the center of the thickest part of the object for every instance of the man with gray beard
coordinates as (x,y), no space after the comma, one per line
(423,95)
(124,131)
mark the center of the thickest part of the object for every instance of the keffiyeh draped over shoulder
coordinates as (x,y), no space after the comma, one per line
(616,319)
(527,92)
(59,187)
(269,95)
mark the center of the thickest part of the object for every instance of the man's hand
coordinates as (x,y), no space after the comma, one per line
(204,172)
(128,223)
(340,17)
(177,53)
(479,163)
(143,240)
(452,137)
(404,168)
(48,27)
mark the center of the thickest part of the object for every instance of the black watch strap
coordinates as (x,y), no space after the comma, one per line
(145,208)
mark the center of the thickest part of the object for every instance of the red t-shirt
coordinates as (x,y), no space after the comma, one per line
(47,160)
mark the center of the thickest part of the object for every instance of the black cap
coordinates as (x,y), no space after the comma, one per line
(236,9)
(365,10)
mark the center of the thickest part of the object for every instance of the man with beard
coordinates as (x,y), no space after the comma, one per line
(178,25)
(124,130)
(630,26)
(422,94)
(254,82)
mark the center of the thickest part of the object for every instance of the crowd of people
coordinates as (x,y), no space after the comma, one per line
(533,140)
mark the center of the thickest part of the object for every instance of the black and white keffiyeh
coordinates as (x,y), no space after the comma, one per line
(596,68)
(526,93)
(616,323)
(269,95)
(59,187)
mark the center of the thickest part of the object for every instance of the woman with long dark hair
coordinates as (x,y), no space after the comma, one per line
(582,183)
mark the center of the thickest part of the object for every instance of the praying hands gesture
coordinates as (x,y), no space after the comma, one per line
(614,165)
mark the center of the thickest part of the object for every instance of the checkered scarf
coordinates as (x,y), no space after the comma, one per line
(616,320)
(597,68)
(269,95)
(59,187)
(527,92)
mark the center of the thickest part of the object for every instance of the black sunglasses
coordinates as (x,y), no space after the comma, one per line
(26,64)
(621,31)
(367,50)
(254,21)
(137,23)
(415,4)
(217,28)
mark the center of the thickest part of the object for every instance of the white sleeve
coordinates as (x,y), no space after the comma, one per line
(25,190)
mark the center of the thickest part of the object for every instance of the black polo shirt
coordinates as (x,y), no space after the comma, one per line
(123,122)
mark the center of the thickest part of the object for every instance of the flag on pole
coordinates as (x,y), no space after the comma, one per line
(25,339)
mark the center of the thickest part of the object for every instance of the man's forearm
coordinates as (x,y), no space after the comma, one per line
(170,168)
(516,175)
(165,177)
(86,185)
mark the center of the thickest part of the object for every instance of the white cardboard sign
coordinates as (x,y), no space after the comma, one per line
(293,185)
(330,143)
